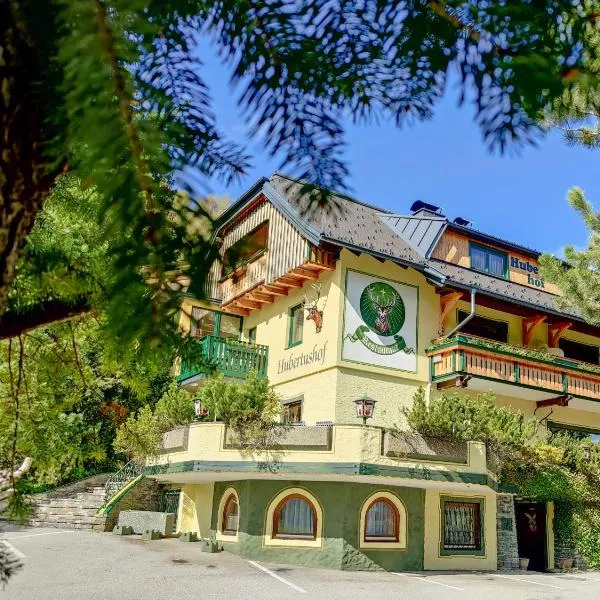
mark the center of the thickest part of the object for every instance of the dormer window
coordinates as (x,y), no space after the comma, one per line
(488,260)
(244,251)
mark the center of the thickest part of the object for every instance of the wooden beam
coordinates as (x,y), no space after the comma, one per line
(317,267)
(462,381)
(529,324)
(240,312)
(274,289)
(557,401)
(447,303)
(247,303)
(260,297)
(555,331)
(289,282)
(303,273)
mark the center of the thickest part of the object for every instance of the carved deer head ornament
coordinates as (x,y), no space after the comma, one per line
(312,307)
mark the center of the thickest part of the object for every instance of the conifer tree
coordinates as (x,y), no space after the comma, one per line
(113,91)
(578,276)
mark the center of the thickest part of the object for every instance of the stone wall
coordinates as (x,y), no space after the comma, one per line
(144,496)
(508,549)
(414,445)
(73,506)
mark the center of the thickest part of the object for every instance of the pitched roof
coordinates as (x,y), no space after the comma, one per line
(421,231)
(406,239)
(501,288)
(349,222)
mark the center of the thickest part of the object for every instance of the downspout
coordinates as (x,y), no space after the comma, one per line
(467,318)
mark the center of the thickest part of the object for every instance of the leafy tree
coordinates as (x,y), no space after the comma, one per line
(239,405)
(62,402)
(465,417)
(113,92)
(139,436)
(578,276)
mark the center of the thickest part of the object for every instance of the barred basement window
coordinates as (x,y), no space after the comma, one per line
(462,525)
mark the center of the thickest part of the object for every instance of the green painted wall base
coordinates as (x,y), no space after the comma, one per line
(341,504)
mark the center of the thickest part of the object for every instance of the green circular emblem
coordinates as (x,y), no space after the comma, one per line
(382,308)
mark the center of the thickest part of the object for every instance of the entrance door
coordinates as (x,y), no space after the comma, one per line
(531,533)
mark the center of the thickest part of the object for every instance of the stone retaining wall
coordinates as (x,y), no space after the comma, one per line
(76,506)
(508,549)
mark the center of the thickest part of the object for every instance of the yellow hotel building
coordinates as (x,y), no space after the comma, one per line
(355,302)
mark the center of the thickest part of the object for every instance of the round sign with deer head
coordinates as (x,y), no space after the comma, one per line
(382,308)
(380,321)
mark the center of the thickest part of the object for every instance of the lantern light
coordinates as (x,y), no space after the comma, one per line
(365,408)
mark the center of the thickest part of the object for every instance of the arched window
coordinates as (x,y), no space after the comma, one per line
(382,522)
(229,523)
(295,517)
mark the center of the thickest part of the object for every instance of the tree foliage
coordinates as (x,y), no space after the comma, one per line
(239,405)
(578,276)
(465,417)
(114,92)
(139,436)
(62,401)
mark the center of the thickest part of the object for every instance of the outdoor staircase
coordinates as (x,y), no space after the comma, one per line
(94,503)
(73,506)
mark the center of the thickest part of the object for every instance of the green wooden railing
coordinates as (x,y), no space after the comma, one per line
(231,359)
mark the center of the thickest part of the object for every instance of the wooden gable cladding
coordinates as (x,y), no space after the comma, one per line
(286,249)
(453,247)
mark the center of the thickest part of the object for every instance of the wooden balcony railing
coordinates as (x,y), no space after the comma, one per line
(231,359)
(464,355)
(244,278)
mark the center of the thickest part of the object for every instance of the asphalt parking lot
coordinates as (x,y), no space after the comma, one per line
(60,565)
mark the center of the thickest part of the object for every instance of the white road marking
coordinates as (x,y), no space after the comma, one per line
(278,577)
(526,580)
(14,550)
(20,537)
(427,580)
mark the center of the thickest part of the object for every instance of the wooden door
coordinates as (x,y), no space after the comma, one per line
(531,533)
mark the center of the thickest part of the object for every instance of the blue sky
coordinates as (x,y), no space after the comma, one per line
(445,162)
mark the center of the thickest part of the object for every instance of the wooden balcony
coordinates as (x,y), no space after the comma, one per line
(244,278)
(228,357)
(462,358)
(261,282)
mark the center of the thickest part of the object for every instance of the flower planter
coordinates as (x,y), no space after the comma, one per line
(523,564)
(566,563)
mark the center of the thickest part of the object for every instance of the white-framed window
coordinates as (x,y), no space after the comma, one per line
(229,516)
(383,522)
(294,518)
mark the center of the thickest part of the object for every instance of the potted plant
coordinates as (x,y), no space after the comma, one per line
(566,563)
(523,564)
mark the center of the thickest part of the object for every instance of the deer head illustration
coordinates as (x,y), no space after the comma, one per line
(383,309)
(311,307)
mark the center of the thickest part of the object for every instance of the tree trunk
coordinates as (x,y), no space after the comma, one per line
(25,173)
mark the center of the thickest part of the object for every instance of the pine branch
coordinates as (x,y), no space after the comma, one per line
(45,313)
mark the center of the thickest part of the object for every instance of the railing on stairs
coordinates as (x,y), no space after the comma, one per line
(116,482)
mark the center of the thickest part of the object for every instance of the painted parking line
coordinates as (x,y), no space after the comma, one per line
(29,535)
(428,580)
(278,577)
(527,580)
(14,550)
